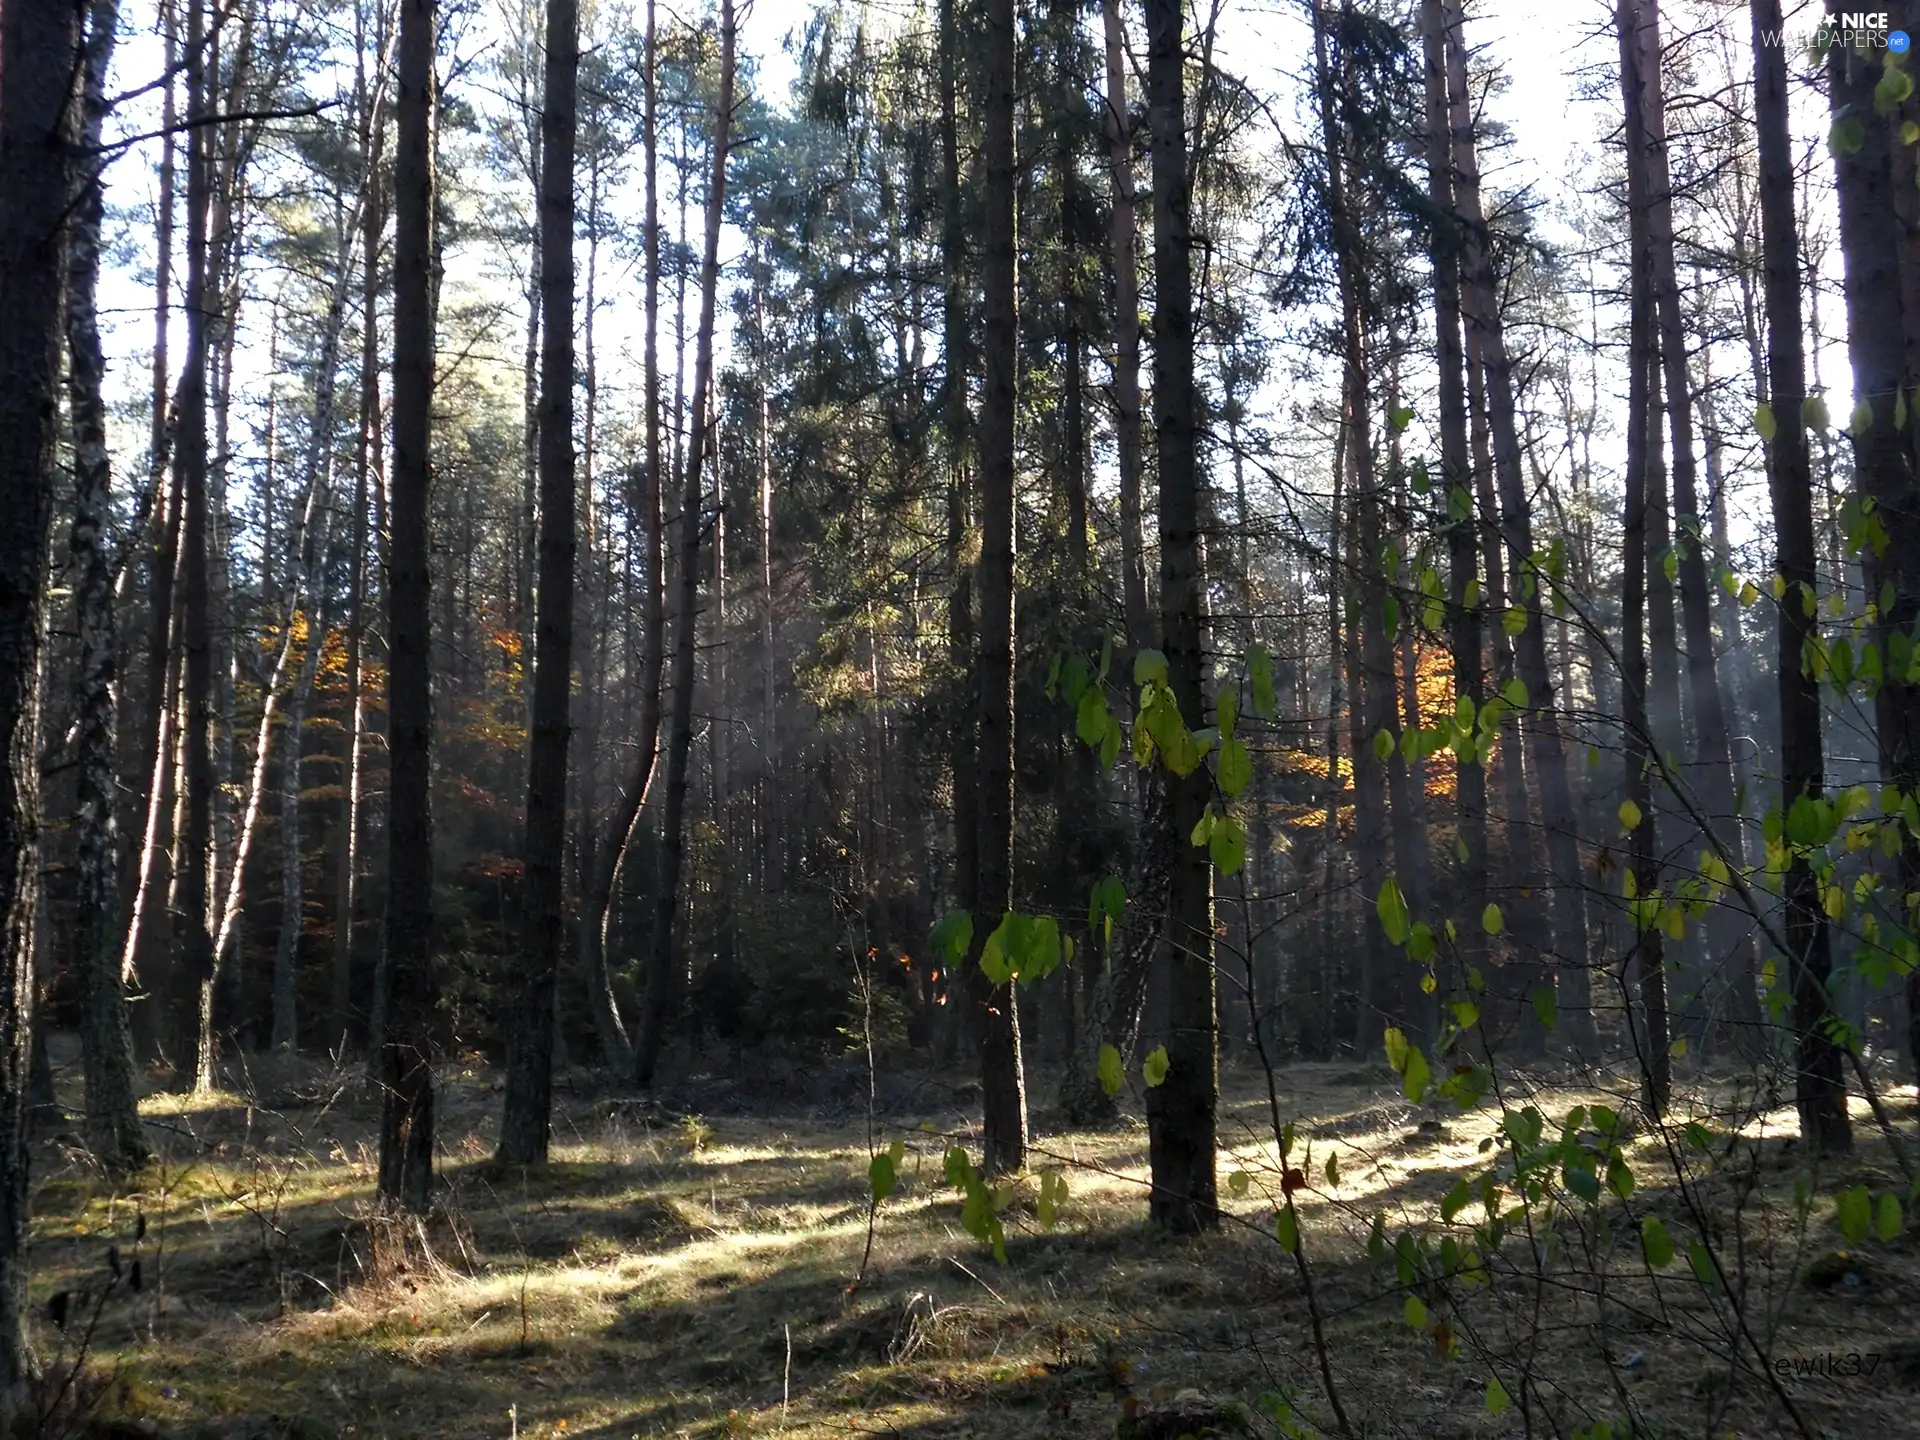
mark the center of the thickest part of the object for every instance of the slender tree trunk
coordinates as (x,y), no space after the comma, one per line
(1126,333)
(526,1122)
(406,1053)
(40,49)
(661,989)
(1456,467)
(1819,1086)
(1542,727)
(194,1028)
(1002,1079)
(1643,359)
(113,1126)
(1180,1112)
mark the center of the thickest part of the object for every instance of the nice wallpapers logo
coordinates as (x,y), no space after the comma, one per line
(1848,29)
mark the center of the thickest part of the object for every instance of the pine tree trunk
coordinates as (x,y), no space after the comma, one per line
(526,1122)
(39,56)
(1878,335)
(1126,333)
(1542,727)
(1819,1086)
(407,1044)
(1463,608)
(1643,359)
(1180,1112)
(662,991)
(113,1128)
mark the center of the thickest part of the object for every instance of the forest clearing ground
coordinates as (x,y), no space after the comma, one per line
(677,1275)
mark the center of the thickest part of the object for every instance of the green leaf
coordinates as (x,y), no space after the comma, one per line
(1454,1201)
(953,936)
(1491,920)
(1763,421)
(1226,709)
(1415,1311)
(1154,1069)
(1701,1259)
(1227,846)
(1287,1230)
(1849,133)
(1546,1005)
(1418,1077)
(1421,946)
(1678,1049)
(1090,717)
(1497,1397)
(1862,419)
(1515,620)
(1894,87)
(1106,906)
(1149,665)
(1392,907)
(1466,1014)
(1399,417)
(1856,1214)
(1814,411)
(1332,1171)
(1390,616)
(1260,682)
(1113,1073)
(1234,769)
(1656,1242)
(1514,692)
(1377,1237)
(1670,565)
(1397,1049)
(1382,745)
(1630,816)
(1887,1218)
(882,1176)
(1619,1178)
(1238,1182)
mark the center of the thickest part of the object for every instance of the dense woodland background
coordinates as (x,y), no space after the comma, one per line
(1056,547)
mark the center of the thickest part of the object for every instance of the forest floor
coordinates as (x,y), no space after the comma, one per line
(687,1267)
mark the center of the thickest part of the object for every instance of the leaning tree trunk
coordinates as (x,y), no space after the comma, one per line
(1180,1112)
(1545,750)
(1819,1085)
(39,56)
(113,1126)
(406,1051)
(1732,945)
(660,971)
(526,1121)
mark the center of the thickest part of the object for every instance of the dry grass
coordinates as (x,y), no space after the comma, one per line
(663,1278)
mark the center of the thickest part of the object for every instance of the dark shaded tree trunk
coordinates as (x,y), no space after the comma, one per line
(113,1129)
(1643,359)
(1819,1086)
(1126,332)
(1180,1112)
(407,1043)
(40,46)
(1545,751)
(1456,468)
(526,1122)
(661,989)
(1871,238)
(996,1007)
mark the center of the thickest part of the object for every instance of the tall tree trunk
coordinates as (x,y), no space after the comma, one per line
(1126,333)
(1819,1086)
(526,1121)
(1542,727)
(113,1113)
(1878,332)
(1728,934)
(1643,360)
(194,1028)
(1463,608)
(407,1045)
(963,741)
(996,1007)
(40,46)
(1181,1111)
(661,990)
